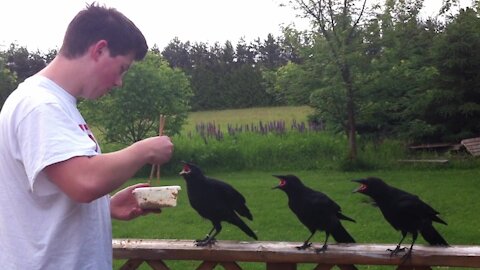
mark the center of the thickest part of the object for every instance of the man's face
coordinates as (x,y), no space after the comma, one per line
(109,72)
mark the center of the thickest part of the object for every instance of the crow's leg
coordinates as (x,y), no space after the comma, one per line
(210,240)
(397,248)
(409,252)
(307,242)
(206,237)
(325,245)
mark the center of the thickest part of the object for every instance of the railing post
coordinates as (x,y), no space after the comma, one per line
(158,265)
(131,264)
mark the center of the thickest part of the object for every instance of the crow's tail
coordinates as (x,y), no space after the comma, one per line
(342,216)
(432,236)
(239,223)
(340,234)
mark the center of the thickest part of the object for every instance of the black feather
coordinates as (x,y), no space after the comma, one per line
(216,201)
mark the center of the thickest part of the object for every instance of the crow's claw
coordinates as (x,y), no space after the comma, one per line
(406,256)
(322,249)
(304,246)
(205,242)
(396,250)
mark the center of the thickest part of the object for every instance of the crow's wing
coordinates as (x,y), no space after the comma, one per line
(231,197)
(413,206)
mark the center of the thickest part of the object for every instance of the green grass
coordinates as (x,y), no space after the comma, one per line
(247,116)
(453,192)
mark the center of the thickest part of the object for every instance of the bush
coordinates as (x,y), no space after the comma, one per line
(290,151)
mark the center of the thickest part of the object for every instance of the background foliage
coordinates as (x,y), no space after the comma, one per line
(411,78)
(132,112)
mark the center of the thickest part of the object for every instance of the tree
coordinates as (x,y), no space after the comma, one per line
(131,113)
(24,63)
(400,73)
(8,81)
(177,54)
(293,84)
(454,107)
(270,53)
(338,23)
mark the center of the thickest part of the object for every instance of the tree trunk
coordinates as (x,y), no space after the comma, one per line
(351,125)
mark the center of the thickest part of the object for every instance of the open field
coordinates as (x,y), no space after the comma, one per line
(247,116)
(453,192)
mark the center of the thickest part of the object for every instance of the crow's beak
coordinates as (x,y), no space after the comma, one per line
(360,188)
(183,172)
(279,177)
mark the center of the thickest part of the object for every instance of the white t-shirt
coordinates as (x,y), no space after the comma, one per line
(40,226)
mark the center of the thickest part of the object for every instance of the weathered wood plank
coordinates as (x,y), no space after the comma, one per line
(431,146)
(443,161)
(285,252)
(472,145)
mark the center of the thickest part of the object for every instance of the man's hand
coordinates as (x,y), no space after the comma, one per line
(124,206)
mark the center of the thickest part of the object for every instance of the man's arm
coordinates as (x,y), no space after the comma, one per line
(85,179)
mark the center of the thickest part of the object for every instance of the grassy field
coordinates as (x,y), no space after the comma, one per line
(453,192)
(247,116)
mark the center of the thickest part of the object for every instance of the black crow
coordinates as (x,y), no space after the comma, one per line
(404,211)
(315,210)
(216,201)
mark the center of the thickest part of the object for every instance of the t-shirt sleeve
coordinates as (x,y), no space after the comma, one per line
(48,135)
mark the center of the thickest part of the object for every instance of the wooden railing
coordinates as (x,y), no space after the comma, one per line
(284,255)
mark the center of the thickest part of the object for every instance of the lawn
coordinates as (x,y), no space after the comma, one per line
(453,192)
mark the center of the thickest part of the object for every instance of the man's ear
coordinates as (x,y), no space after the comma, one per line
(97,49)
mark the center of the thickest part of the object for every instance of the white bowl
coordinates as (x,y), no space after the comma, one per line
(156,197)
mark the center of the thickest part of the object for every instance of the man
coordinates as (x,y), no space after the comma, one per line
(55,207)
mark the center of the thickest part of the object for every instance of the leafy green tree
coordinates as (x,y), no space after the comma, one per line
(338,24)
(244,54)
(270,53)
(400,73)
(177,54)
(293,84)
(454,107)
(8,81)
(24,63)
(208,94)
(131,113)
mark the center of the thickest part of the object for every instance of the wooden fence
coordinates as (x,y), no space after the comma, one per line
(284,255)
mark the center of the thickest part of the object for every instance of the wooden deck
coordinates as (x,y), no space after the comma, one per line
(284,255)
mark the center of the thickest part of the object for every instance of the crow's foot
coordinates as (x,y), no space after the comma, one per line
(322,249)
(304,246)
(406,256)
(203,240)
(396,250)
(206,242)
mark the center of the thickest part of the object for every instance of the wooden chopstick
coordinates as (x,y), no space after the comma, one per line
(156,167)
